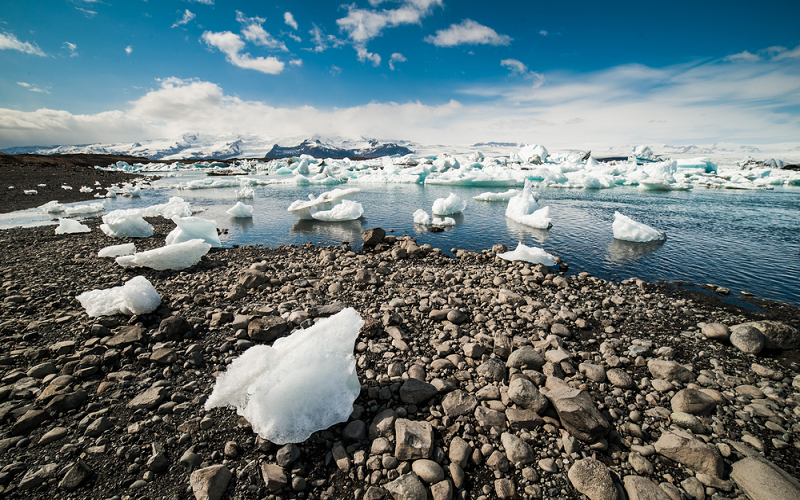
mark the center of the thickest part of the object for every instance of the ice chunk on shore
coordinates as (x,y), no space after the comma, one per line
(117,250)
(122,223)
(86,189)
(304,209)
(176,257)
(30,191)
(240,210)
(489,196)
(52,207)
(137,296)
(246,193)
(90,208)
(534,255)
(448,206)
(303,383)
(628,229)
(346,210)
(69,226)
(524,209)
(190,228)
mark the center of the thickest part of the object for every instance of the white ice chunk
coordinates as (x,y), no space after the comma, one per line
(246,193)
(304,209)
(117,250)
(122,223)
(52,207)
(524,209)
(447,221)
(190,228)
(346,210)
(176,257)
(91,208)
(175,207)
(534,255)
(69,226)
(86,189)
(66,188)
(489,196)
(240,210)
(422,217)
(644,152)
(448,206)
(628,229)
(30,191)
(137,296)
(303,383)
(533,153)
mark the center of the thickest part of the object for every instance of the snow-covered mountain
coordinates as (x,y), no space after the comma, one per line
(321,149)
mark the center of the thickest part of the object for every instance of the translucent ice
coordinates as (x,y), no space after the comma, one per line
(122,223)
(628,229)
(176,256)
(422,217)
(90,208)
(448,206)
(524,209)
(52,207)
(447,221)
(301,384)
(240,210)
(117,250)
(190,228)
(137,296)
(489,196)
(246,193)
(345,210)
(68,226)
(304,209)
(534,255)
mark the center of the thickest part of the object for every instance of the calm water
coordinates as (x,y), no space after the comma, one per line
(742,240)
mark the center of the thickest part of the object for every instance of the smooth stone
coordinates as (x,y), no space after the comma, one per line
(693,402)
(747,339)
(592,478)
(428,471)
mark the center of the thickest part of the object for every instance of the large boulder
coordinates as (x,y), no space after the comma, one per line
(414,439)
(578,414)
(693,402)
(747,339)
(372,237)
(683,448)
(760,479)
(669,370)
(592,478)
(777,335)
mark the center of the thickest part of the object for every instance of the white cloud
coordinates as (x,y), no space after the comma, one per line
(231,45)
(296,62)
(205,2)
(71,47)
(396,57)
(335,70)
(364,55)
(128,49)
(32,88)
(293,37)
(743,57)
(87,12)
(323,42)
(543,33)
(787,54)
(254,33)
(10,42)
(518,68)
(468,32)
(187,16)
(288,18)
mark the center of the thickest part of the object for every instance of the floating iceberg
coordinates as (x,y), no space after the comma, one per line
(190,228)
(497,196)
(175,207)
(240,210)
(117,250)
(534,255)
(69,226)
(303,383)
(448,206)
(422,217)
(346,210)
(137,296)
(628,229)
(533,154)
(176,257)
(446,222)
(122,223)
(325,201)
(246,193)
(91,208)
(52,207)
(524,209)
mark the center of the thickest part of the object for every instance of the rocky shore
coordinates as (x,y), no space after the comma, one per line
(480,378)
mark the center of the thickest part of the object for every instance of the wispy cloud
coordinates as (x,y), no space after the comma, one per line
(296,62)
(128,49)
(32,87)
(232,45)
(743,57)
(543,33)
(520,69)
(71,47)
(787,54)
(187,16)
(468,32)
(88,13)
(288,18)
(253,32)
(205,2)
(396,57)
(8,41)
(323,42)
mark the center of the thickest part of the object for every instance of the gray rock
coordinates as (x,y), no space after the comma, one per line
(78,473)
(640,464)
(595,373)
(252,278)
(414,439)
(266,328)
(492,369)
(620,378)
(460,451)
(693,402)
(747,339)
(53,435)
(592,478)
(274,477)
(523,419)
(490,418)
(174,328)
(28,421)
(716,331)
(669,370)
(517,450)
(148,399)
(416,392)
(578,414)
(407,487)
(355,431)
(127,335)
(641,488)
(777,335)
(67,402)
(504,488)
(372,237)
(694,488)
(760,479)
(525,394)
(287,455)
(458,403)
(34,477)
(383,424)
(687,421)
(443,490)
(525,358)
(683,448)
(428,470)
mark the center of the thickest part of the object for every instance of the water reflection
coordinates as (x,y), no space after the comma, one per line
(526,234)
(242,223)
(626,251)
(334,231)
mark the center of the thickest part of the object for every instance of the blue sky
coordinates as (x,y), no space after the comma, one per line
(566,74)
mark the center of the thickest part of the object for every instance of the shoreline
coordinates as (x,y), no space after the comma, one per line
(588,332)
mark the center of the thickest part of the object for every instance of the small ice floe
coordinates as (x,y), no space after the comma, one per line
(66,188)
(489,196)
(122,223)
(96,183)
(422,217)
(627,229)
(443,222)
(90,208)
(534,255)
(111,193)
(325,201)
(175,257)
(246,193)
(137,296)
(30,191)
(343,211)
(448,206)
(240,210)
(86,189)
(117,250)
(42,185)
(69,226)
(134,192)
(52,207)
(301,384)
(524,209)
(191,228)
